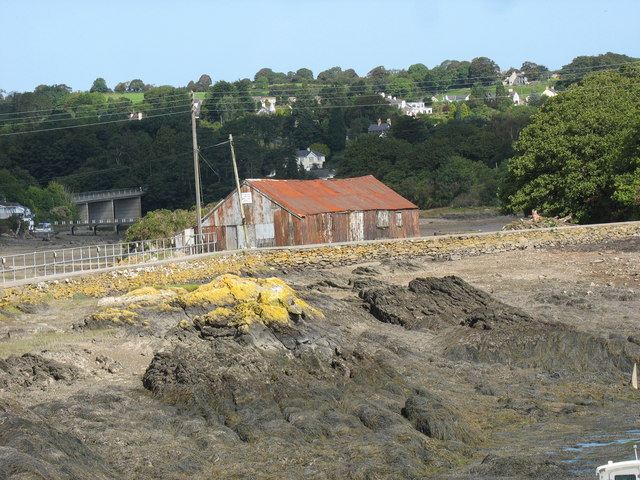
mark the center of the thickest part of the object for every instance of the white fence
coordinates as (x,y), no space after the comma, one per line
(25,267)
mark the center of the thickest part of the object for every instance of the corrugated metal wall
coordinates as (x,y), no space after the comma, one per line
(270,225)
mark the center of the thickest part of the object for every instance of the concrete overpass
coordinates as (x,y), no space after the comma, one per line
(108,206)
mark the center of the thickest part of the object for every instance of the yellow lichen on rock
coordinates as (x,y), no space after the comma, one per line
(267,301)
(143,292)
(116,315)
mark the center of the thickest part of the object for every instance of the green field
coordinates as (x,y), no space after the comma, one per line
(523,91)
(138,97)
(135,97)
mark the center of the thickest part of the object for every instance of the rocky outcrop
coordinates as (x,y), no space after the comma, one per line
(31,369)
(435,303)
(30,447)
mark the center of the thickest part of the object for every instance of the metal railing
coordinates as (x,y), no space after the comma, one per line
(100,221)
(21,268)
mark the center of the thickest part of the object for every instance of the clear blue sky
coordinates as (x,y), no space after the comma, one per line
(164,42)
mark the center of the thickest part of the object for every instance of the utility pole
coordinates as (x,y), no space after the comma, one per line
(195,113)
(235,172)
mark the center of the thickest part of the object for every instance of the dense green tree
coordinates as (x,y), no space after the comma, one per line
(204,82)
(502,100)
(580,157)
(483,70)
(378,72)
(401,88)
(534,72)
(12,187)
(376,156)
(337,130)
(263,72)
(161,224)
(136,85)
(99,85)
(54,203)
(330,75)
(583,65)
(411,129)
(304,74)
(121,87)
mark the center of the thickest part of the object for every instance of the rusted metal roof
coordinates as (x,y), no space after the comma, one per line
(309,197)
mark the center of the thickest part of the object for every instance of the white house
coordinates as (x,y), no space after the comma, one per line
(515,98)
(516,78)
(268,105)
(309,159)
(457,98)
(549,92)
(408,108)
(418,108)
(7,209)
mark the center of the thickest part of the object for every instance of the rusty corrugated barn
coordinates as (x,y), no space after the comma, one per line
(305,212)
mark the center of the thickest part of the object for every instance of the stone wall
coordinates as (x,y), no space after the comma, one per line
(204,268)
(442,248)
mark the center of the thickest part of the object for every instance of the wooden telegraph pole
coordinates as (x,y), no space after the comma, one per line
(195,113)
(235,172)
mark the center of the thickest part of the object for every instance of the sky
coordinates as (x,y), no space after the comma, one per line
(171,42)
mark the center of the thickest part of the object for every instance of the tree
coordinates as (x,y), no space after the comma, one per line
(304,74)
(321,148)
(477,96)
(121,87)
(54,203)
(582,65)
(408,128)
(483,70)
(99,85)
(401,88)
(581,154)
(417,71)
(533,71)
(161,224)
(378,73)
(502,99)
(136,85)
(263,72)
(337,130)
(330,75)
(204,82)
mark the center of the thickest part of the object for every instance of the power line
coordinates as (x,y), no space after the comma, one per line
(183,96)
(87,124)
(227,107)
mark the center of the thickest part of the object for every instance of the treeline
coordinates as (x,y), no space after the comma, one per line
(92,141)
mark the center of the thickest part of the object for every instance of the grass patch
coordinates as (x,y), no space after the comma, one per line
(460,212)
(52,341)
(135,97)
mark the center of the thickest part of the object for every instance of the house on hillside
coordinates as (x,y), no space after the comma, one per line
(457,98)
(549,92)
(417,108)
(268,105)
(515,98)
(310,159)
(408,108)
(516,79)
(304,212)
(8,209)
(379,129)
